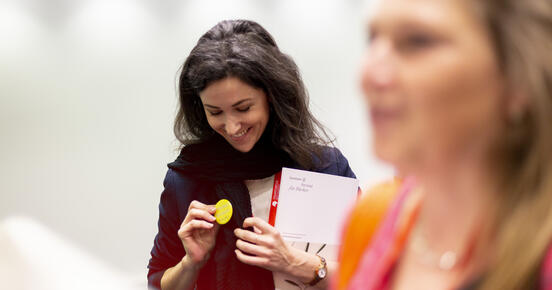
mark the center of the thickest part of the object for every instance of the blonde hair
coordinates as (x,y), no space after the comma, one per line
(521,31)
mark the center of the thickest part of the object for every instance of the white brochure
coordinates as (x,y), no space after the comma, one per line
(311,206)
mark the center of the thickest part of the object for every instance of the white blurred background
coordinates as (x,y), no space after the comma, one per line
(87,100)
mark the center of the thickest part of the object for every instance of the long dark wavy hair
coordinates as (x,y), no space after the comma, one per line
(244,49)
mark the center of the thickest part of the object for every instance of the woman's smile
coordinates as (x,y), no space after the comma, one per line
(240,136)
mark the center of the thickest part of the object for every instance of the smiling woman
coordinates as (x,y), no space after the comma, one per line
(243,115)
(247,52)
(460,97)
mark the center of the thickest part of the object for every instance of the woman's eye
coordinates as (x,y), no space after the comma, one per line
(243,109)
(214,113)
(415,42)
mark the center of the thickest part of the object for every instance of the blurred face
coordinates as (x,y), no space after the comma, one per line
(237,111)
(431,81)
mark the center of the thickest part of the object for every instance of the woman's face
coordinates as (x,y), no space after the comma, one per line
(431,80)
(237,111)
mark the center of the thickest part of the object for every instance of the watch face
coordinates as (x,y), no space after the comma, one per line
(322,273)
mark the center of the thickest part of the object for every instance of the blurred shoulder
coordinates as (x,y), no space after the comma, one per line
(546,269)
(361,225)
(375,201)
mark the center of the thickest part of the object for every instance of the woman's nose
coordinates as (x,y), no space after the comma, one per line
(232,126)
(378,69)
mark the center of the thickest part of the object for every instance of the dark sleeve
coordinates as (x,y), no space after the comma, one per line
(167,248)
(335,163)
(343,165)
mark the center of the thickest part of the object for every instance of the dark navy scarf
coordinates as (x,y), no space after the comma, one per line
(217,164)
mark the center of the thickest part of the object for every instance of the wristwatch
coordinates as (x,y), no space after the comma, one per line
(320,272)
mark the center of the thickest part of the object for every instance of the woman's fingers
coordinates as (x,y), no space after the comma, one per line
(252,249)
(198,210)
(257,231)
(252,237)
(259,224)
(194,225)
(264,248)
(251,260)
(196,204)
(200,214)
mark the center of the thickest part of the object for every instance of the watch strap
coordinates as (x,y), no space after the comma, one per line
(322,267)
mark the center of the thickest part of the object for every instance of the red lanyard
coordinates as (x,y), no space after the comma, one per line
(274,199)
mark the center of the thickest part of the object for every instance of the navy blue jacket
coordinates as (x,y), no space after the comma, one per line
(180,190)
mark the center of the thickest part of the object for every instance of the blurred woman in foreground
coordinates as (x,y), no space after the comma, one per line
(460,98)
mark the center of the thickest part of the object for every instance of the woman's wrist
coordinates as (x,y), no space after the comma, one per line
(188,264)
(303,265)
(182,276)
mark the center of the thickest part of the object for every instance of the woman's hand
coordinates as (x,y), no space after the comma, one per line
(198,233)
(265,248)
